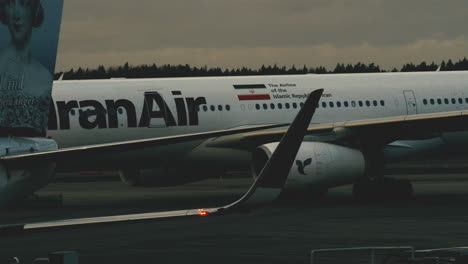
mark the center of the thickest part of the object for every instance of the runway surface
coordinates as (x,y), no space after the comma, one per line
(281,233)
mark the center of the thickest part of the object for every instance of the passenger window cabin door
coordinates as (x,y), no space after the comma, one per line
(411,105)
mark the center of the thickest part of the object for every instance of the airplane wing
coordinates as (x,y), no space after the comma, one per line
(266,188)
(75,152)
(418,126)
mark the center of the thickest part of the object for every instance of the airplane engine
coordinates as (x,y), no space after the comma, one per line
(18,181)
(318,166)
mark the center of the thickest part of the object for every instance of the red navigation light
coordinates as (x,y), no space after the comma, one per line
(203,213)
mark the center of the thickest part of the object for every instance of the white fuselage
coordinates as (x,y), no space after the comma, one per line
(102,111)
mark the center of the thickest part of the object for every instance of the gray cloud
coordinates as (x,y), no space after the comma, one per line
(205,29)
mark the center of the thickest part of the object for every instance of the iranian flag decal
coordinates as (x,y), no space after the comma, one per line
(249,92)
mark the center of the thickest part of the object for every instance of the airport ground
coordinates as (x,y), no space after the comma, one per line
(280,233)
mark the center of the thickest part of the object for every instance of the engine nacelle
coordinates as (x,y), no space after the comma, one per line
(317,165)
(19,181)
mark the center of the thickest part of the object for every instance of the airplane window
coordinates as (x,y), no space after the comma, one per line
(353,104)
(346,103)
(280,106)
(439,101)
(257,106)
(460,101)
(454,101)
(287,105)
(228,107)
(213,108)
(368,103)
(360,103)
(446,101)
(120,110)
(294,105)
(249,106)
(432,101)
(425,101)
(72,112)
(265,106)
(205,108)
(466,100)
(220,107)
(375,103)
(272,106)
(382,102)
(338,104)
(332,104)
(324,105)
(302,104)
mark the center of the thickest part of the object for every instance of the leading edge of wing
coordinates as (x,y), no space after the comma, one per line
(74,152)
(265,189)
(13,228)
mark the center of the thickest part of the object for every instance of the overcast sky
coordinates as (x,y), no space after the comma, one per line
(233,33)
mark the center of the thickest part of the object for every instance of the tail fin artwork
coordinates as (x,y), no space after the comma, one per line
(29,34)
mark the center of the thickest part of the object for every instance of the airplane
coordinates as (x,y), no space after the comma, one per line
(198,126)
(360,117)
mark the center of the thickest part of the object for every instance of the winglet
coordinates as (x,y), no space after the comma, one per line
(272,178)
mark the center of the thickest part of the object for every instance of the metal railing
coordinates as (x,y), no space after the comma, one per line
(371,250)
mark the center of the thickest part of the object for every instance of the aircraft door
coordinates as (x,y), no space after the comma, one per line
(411,105)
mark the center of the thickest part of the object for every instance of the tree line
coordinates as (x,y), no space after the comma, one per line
(167,70)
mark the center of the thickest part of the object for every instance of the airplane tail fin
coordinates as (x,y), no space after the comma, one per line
(29,34)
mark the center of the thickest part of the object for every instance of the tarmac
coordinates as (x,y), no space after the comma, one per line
(281,233)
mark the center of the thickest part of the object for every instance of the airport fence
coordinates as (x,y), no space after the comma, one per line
(361,255)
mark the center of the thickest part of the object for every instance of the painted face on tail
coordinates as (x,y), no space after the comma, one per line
(19,17)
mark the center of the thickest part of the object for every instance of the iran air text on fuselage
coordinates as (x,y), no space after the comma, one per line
(95,114)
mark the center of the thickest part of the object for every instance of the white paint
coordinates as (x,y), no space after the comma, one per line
(389,87)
